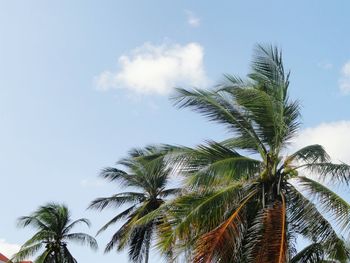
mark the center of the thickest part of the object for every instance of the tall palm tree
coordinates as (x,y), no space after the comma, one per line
(147,177)
(248,200)
(54,225)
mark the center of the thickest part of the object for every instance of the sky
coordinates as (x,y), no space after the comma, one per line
(82,82)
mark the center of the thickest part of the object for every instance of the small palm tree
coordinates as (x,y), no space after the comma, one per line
(147,177)
(248,199)
(54,225)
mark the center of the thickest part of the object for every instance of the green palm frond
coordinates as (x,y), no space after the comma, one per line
(311,154)
(115,219)
(84,221)
(114,174)
(268,70)
(218,109)
(330,171)
(117,200)
(310,223)
(241,143)
(35,222)
(208,163)
(310,254)
(83,239)
(329,201)
(27,252)
(201,212)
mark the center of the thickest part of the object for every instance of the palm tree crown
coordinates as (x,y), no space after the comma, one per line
(247,201)
(147,177)
(54,225)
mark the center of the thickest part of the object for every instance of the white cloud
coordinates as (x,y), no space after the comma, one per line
(8,249)
(192,19)
(325,65)
(344,81)
(333,136)
(152,69)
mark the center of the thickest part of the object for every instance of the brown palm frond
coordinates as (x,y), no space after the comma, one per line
(272,247)
(222,240)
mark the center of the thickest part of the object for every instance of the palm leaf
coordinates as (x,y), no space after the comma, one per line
(117,200)
(270,244)
(310,254)
(331,171)
(83,239)
(329,201)
(310,154)
(215,107)
(223,238)
(310,223)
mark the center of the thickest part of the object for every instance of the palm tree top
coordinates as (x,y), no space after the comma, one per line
(257,110)
(54,225)
(145,188)
(244,203)
(145,171)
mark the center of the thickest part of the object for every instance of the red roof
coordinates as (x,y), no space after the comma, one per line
(5,259)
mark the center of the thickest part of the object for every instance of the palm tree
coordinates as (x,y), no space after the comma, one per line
(146,176)
(54,225)
(247,199)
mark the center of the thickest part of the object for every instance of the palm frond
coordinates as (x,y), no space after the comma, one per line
(25,221)
(83,239)
(241,143)
(139,243)
(210,162)
(204,210)
(307,221)
(26,252)
(114,174)
(223,239)
(267,69)
(310,154)
(268,243)
(170,192)
(69,227)
(329,201)
(216,108)
(263,110)
(115,219)
(117,200)
(331,171)
(311,254)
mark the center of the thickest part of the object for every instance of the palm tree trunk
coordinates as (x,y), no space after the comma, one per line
(56,257)
(147,251)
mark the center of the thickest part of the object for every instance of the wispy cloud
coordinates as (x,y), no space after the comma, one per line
(325,65)
(333,136)
(344,81)
(8,249)
(157,69)
(192,19)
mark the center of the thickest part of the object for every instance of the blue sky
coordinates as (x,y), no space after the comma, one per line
(82,82)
